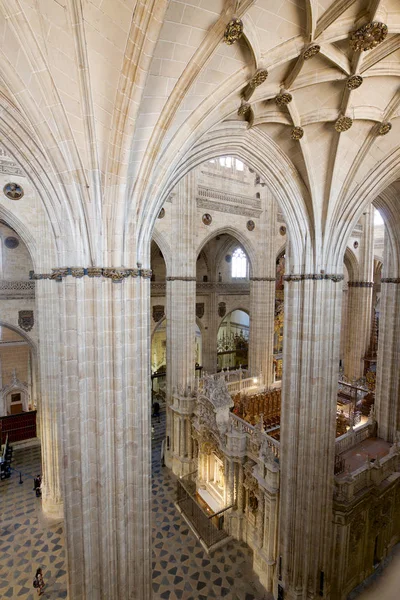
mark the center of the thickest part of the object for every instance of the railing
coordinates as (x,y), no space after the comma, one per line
(158,288)
(242,426)
(353,437)
(18,427)
(243,385)
(208,527)
(371,474)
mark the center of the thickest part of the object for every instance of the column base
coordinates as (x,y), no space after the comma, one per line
(53,509)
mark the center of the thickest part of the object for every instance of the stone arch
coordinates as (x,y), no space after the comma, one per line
(351,263)
(258,151)
(245,310)
(165,248)
(238,235)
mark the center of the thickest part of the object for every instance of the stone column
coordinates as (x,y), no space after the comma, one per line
(262,315)
(260,520)
(210,359)
(309,390)
(98,332)
(387,404)
(359,307)
(181,299)
(262,295)
(49,406)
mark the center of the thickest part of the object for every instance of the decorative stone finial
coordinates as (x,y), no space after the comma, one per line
(297,133)
(354,82)
(233,31)
(283,98)
(368,36)
(384,128)
(311,51)
(343,123)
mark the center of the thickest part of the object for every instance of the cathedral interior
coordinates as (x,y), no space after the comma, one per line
(200,299)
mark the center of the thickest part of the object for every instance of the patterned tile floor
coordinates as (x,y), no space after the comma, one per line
(181,568)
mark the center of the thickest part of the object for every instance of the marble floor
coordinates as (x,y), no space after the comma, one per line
(181,568)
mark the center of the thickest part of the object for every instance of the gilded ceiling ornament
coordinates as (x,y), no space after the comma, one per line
(311,51)
(354,82)
(384,128)
(258,78)
(244,109)
(343,123)
(297,133)
(233,31)
(283,98)
(368,36)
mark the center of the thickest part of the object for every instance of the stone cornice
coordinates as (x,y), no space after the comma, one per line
(361,284)
(116,274)
(263,279)
(180,278)
(390,280)
(314,276)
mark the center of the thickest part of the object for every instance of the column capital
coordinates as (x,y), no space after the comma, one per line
(361,284)
(390,280)
(263,279)
(335,277)
(116,274)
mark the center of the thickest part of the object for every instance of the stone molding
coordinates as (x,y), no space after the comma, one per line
(220,207)
(17,289)
(158,288)
(315,276)
(116,274)
(178,278)
(361,284)
(263,279)
(390,280)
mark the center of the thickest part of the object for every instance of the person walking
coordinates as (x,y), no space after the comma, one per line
(38,582)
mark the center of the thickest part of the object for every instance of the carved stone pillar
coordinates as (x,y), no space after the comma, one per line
(241,491)
(50,405)
(94,348)
(387,399)
(262,295)
(262,315)
(260,520)
(359,303)
(311,352)
(181,302)
(210,360)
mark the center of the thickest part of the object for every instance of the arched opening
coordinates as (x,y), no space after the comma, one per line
(233,340)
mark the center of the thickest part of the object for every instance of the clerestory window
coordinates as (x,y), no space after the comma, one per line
(239,264)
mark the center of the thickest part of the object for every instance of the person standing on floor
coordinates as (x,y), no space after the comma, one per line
(38,582)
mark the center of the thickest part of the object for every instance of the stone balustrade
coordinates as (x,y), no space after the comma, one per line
(354,436)
(372,474)
(239,425)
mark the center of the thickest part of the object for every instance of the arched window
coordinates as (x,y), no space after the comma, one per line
(239,264)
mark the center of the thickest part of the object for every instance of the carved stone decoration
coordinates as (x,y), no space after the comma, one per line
(25,319)
(258,78)
(11,243)
(222,309)
(354,82)
(282,230)
(250,225)
(283,98)
(368,36)
(77,272)
(207,219)
(355,245)
(13,191)
(343,124)
(243,109)
(384,128)
(94,272)
(233,31)
(311,51)
(145,273)
(158,312)
(199,309)
(297,133)
(161,214)
(115,274)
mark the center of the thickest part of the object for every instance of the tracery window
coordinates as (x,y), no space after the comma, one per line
(239,264)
